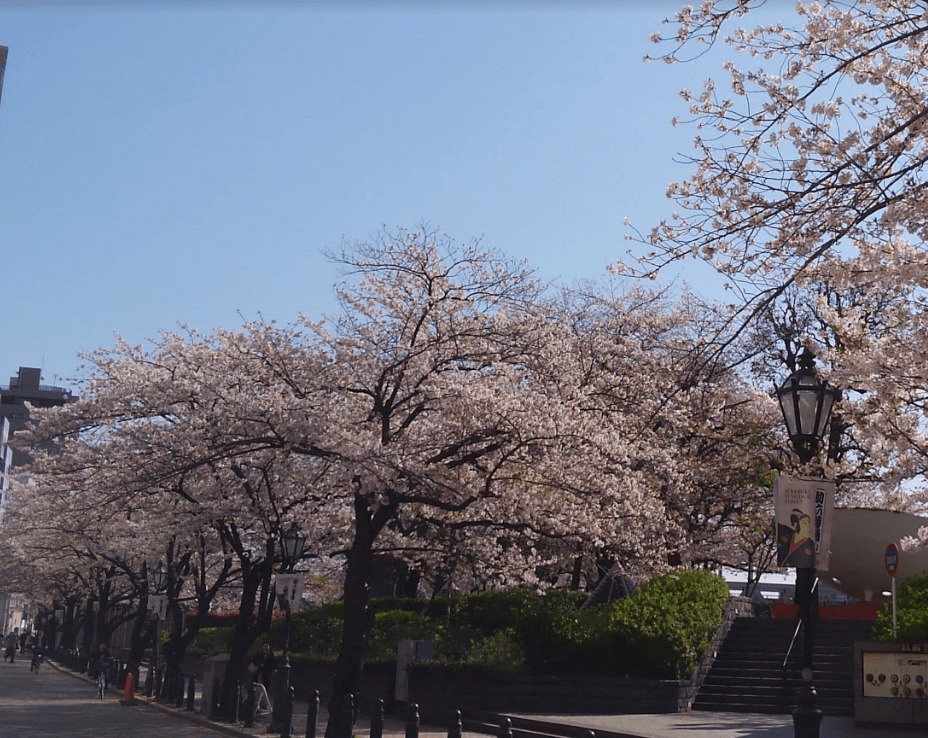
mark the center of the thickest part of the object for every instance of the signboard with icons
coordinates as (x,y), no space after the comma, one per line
(895,675)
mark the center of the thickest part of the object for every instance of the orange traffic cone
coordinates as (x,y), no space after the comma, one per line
(128,692)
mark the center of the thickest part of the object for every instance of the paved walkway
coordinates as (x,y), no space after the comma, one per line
(719,725)
(54,703)
(679,725)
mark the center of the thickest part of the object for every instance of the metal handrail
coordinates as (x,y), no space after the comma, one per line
(792,643)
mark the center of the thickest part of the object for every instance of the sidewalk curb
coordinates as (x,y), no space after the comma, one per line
(190,717)
(193,717)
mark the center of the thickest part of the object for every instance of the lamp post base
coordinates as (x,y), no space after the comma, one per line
(807,718)
(281,715)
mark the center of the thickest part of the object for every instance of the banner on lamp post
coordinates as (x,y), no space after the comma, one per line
(158,604)
(804,509)
(290,587)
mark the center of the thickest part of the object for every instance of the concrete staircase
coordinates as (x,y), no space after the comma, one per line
(748,674)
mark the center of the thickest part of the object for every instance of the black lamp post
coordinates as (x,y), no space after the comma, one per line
(159,579)
(806,402)
(291,547)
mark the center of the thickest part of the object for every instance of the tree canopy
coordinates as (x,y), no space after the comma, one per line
(806,188)
(456,415)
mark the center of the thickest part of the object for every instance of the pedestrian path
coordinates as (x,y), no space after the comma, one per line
(55,703)
(678,725)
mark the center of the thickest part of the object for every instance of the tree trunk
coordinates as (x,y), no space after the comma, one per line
(243,635)
(141,634)
(252,621)
(358,617)
(87,644)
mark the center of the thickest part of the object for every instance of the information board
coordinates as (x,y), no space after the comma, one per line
(895,675)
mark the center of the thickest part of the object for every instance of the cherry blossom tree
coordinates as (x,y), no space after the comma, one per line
(130,494)
(809,164)
(453,411)
(807,175)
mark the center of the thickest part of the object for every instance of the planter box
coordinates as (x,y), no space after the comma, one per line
(377,682)
(439,693)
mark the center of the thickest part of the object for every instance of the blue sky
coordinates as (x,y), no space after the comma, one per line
(169,161)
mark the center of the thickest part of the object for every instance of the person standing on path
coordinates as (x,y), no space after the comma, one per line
(264,664)
(12,640)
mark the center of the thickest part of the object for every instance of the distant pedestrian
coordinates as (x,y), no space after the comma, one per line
(12,640)
(263,665)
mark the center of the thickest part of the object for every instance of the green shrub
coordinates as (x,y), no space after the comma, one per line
(668,623)
(314,634)
(911,612)
(499,652)
(392,626)
(542,624)
(661,631)
(211,641)
(489,612)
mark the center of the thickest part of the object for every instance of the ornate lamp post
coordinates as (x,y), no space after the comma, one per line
(291,548)
(159,579)
(806,402)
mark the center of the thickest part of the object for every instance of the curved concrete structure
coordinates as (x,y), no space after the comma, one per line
(858,546)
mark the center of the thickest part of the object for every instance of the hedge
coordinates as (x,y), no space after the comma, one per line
(660,631)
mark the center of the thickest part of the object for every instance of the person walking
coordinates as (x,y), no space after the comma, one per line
(99,668)
(12,640)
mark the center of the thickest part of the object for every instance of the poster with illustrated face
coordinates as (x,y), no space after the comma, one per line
(804,509)
(290,588)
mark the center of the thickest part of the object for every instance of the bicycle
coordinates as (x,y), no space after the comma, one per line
(36,663)
(102,682)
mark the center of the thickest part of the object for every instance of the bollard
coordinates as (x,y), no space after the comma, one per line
(150,680)
(412,721)
(455,727)
(287,728)
(191,693)
(251,705)
(236,702)
(588,734)
(179,689)
(377,720)
(312,714)
(505,728)
(159,682)
(217,699)
(347,717)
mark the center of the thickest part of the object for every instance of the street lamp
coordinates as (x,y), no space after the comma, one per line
(806,402)
(291,545)
(292,542)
